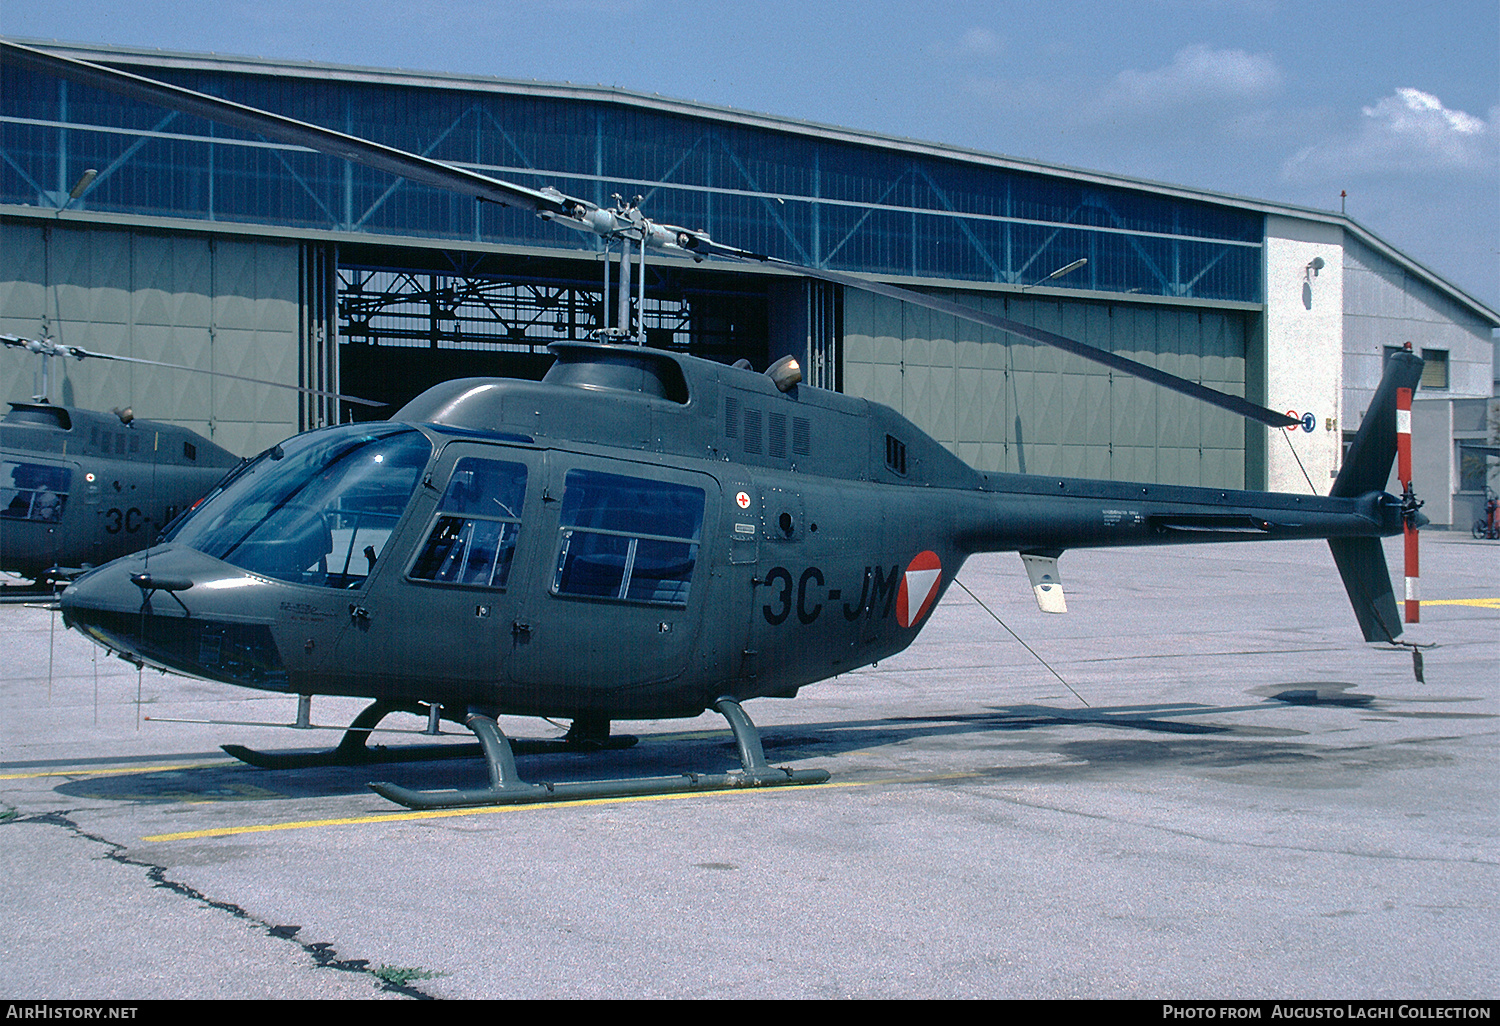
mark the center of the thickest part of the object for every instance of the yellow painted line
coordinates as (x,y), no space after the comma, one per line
(1482,603)
(115,771)
(482,810)
(487,810)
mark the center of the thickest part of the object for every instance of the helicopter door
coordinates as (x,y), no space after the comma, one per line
(450,574)
(616,583)
(33,504)
(742,519)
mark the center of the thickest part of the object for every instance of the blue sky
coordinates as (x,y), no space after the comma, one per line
(1397,104)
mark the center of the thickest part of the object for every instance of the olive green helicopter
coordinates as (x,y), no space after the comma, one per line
(640,534)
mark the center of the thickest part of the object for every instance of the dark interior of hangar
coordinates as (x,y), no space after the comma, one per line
(408,319)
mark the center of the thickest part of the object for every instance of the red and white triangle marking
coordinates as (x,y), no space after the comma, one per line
(919,588)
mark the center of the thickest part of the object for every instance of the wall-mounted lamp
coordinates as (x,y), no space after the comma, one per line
(79,187)
(1068,269)
(1310,272)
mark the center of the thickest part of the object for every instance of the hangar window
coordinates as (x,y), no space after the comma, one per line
(1473,469)
(473,540)
(628,539)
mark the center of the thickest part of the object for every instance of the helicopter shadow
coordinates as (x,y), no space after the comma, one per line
(1143,729)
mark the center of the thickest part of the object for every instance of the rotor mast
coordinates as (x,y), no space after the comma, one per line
(628,226)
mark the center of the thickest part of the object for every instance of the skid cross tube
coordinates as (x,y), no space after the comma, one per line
(354,749)
(507,788)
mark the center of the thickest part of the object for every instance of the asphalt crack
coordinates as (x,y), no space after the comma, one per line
(324,955)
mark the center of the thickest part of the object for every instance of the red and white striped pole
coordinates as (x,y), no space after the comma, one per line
(1409,529)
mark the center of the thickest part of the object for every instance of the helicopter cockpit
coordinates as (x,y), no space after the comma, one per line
(315,510)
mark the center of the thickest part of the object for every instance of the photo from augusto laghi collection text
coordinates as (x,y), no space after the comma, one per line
(1409,1010)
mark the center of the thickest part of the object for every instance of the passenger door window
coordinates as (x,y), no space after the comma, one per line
(628,539)
(33,491)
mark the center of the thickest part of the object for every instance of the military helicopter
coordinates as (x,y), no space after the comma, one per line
(79,488)
(641,534)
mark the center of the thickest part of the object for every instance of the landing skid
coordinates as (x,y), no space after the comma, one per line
(354,750)
(507,788)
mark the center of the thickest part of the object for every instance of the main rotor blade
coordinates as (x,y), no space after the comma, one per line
(53,349)
(288,130)
(702,245)
(240,377)
(553,205)
(1212,396)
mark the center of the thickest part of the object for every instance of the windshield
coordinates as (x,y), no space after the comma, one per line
(317,509)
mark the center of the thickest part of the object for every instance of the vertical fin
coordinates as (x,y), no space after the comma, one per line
(1361,563)
(1367,467)
(1041,567)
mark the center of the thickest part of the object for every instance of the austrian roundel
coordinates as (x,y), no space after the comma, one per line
(919,588)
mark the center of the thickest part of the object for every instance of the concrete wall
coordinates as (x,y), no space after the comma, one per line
(215,303)
(1304,327)
(1434,459)
(1384,305)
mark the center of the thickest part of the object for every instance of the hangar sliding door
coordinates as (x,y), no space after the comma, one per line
(221,303)
(1008,404)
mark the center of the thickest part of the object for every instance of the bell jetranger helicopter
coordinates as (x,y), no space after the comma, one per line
(641,534)
(79,488)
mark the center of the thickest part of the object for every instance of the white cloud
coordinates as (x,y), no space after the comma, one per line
(974,43)
(1198,75)
(1202,93)
(1407,131)
(979,41)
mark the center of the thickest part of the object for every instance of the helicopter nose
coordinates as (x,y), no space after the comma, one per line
(105,589)
(165,608)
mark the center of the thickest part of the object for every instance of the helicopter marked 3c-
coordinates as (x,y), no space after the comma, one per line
(641,534)
(811,594)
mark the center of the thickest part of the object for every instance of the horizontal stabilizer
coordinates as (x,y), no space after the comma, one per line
(1045,582)
(1361,563)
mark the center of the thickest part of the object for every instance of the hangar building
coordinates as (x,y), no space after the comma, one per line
(201,245)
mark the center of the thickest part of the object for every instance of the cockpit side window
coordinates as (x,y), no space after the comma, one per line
(628,539)
(473,540)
